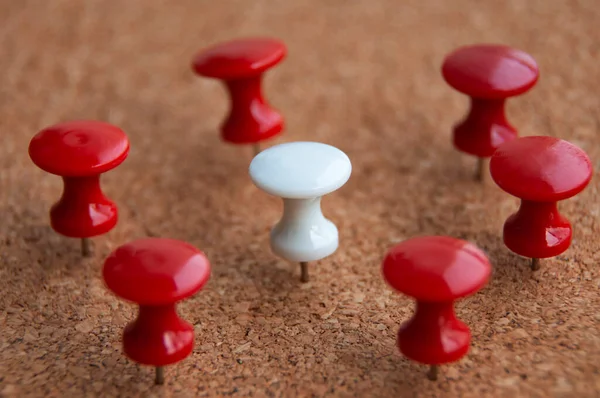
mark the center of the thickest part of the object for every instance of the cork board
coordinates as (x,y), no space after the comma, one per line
(360,75)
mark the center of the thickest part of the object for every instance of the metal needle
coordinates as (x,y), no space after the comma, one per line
(303,271)
(160,376)
(433,373)
(86,247)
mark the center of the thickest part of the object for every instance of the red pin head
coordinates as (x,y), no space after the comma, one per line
(156,273)
(80,151)
(540,171)
(436,271)
(489,74)
(241,64)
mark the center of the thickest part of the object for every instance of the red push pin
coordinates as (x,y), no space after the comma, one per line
(540,171)
(241,64)
(156,273)
(489,74)
(436,271)
(80,151)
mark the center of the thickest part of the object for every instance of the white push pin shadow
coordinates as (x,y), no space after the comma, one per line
(301,173)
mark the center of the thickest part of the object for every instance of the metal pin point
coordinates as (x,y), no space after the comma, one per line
(256,148)
(480,171)
(86,247)
(433,373)
(303,271)
(159,378)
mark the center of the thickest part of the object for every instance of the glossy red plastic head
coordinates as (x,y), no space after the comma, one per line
(156,271)
(541,169)
(80,151)
(239,58)
(79,148)
(436,268)
(490,71)
(241,64)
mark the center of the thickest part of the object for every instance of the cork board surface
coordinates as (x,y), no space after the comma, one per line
(360,75)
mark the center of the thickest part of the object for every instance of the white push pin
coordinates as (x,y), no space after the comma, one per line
(301,173)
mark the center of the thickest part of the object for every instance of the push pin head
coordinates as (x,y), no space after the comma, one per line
(541,171)
(156,273)
(489,74)
(80,151)
(301,173)
(240,64)
(436,271)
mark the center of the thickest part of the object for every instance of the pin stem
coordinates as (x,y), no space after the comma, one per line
(535,264)
(480,171)
(256,148)
(433,373)
(303,272)
(160,376)
(86,247)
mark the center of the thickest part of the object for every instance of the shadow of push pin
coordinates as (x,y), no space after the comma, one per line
(156,273)
(240,64)
(80,151)
(541,171)
(489,74)
(301,173)
(436,271)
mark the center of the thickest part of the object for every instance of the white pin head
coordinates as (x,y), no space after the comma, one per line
(300,170)
(301,173)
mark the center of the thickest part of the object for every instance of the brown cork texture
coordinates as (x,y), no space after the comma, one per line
(361,75)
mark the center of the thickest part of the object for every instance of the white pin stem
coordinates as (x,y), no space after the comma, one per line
(303,234)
